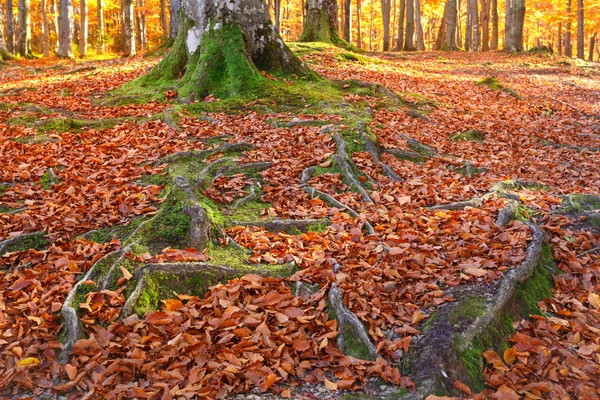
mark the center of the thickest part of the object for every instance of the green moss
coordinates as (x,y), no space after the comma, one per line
(122,232)
(46,180)
(535,289)
(471,135)
(468,310)
(155,180)
(491,83)
(150,298)
(578,203)
(36,241)
(171,226)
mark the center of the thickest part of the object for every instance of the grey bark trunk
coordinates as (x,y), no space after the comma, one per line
(45,32)
(507,23)
(174,9)
(385,16)
(469,28)
(65,37)
(451,19)
(358,25)
(400,41)
(24,42)
(419,26)
(55,12)
(321,22)
(101,46)
(348,21)
(83,28)
(592,46)
(141,22)
(495,33)
(580,26)
(409,40)
(128,28)
(476,33)
(163,19)
(517,21)
(278,15)
(485,25)
(10,27)
(4,53)
(567,46)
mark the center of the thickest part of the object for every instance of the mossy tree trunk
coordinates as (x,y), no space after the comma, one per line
(321,22)
(221,48)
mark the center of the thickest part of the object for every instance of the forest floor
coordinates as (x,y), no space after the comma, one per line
(81,172)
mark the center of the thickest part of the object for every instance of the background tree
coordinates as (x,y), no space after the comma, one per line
(321,22)
(128,28)
(580,34)
(409,40)
(100,28)
(24,42)
(400,40)
(419,26)
(45,32)
(495,28)
(385,14)
(83,28)
(4,53)
(348,21)
(174,8)
(451,21)
(163,19)
(65,37)
(567,40)
(517,18)
(485,25)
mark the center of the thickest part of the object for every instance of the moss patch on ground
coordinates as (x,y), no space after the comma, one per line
(471,135)
(36,241)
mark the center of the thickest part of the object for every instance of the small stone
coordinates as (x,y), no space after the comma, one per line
(389,287)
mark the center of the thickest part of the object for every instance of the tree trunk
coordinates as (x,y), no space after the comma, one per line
(485,25)
(400,41)
(419,26)
(100,15)
(10,27)
(495,33)
(55,12)
(451,18)
(83,30)
(174,9)
(580,26)
(141,23)
(468,28)
(507,23)
(348,21)
(567,46)
(45,33)
(278,15)
(359,22)
(128,28)
(321,22)
(560,39)
(163,19)
(592,46)
(517,19)
(441,36)
(409,38)
(4,53)
(476,30)
(221,47)
(24,42)
(385,16)
(65,37)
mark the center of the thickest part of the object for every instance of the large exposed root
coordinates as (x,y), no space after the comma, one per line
(285,225)
(346,165)
(375,150)
(202,154)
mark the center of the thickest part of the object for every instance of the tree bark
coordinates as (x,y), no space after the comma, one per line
(476,29)
(451,19)
(507,23)
(163,19)
(517,21)
(567,46)
(278,15)
(100,16)
(10,27)
(580,26)
(174,9)
(385,16)
(441,35)
(495,33)
(321,22)
(592,46)
(409,38)
(358,24)
(485,25)
(55,13)
(83,30)
(348,21)
(400,41)
(419,26)
(560,39)
(221,47)
(128,28)
(45,32)
(4,53)
(468,28)
(65,37)
(24,42)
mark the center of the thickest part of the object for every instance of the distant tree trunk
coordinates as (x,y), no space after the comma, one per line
(163,19)
(507,23)
(359,22)
(485,25)
(580,26)
(10,27)
(385,16)
(4,53)
(476,30)
(55,12)
(458,26)
(321,22)
(278,15)
(468,28)
(128,28)
(348,21)
(100,15)
(495,33)
(400,39)
(174,8)
(451,20)
(83,30)
(24,42)
(419,26)
(45,33)
(560,39)
(567,46)
(517,21)
(65,37)
(441,35)
(592,46)
(141,23)
(409,38)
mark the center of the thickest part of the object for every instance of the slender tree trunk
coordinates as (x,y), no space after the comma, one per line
(560,39)
(567,46)
(476,29)
(495,33)
(385,15)
(163,19)
(24,42)
(458,25)
(10,27)
(451,20)
(419,26)
(128,28)
(278,15)
(409,38)
(400,39)
(441,36)
(468,28)
(517,22)
(4,53)
(174,9)
(485,25)
(100,16)
(359,22)
(55,27)
(83,30)
(348,21)
(580,26)
(65,37)
(45,33)
(592,46)
(141,23)
(507,23)
(321,22)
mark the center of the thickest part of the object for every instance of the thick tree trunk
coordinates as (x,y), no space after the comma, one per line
(163,19)
(321,22)
(348,21)
(358,24)
(45,32)
(24,42)
(409,38)
(400,41)
(100,15)
(580,26)
(83,30)
(128,28)
(476,30)
(567,46)
(485,25)
(386,8)
(441,35)
(592,46)
(451,20)
(222,46)
(468,28)
(495,33)
(419,26)
(517,21)
(507,24)
(4,53)
(65,37)
(174,9)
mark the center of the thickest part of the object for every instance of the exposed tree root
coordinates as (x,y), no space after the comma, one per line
(298,122)
(15,241)
(567,146)
(346,165)
(376,88)
(406,155)
(375,150)
(284,225)
(202,154)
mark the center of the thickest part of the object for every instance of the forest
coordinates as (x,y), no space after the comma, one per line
(244,199)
